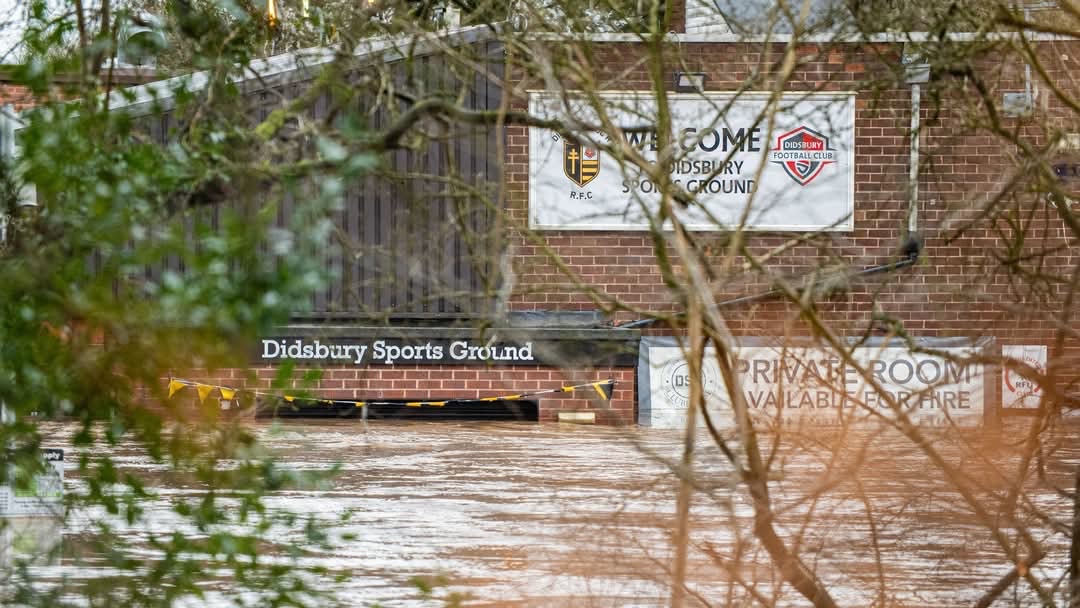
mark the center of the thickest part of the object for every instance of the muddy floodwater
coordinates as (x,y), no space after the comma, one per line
(546,515)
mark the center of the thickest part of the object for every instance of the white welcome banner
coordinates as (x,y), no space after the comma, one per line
(798,172)
(807,385)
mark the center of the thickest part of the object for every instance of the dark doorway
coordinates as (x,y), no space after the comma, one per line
(528,411)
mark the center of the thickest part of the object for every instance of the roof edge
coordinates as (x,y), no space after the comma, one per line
(161,94)
(733,38)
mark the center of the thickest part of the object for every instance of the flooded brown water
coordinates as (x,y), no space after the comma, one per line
(550,515)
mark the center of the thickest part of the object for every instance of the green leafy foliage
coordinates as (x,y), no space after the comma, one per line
(154,250)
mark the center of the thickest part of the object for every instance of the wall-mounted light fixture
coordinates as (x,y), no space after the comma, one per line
(686,82)
(916,68)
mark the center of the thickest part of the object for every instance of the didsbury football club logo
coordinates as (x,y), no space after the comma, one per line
(803,153)
(1020,387)
(580,163)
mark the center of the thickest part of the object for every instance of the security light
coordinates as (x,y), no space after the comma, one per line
(916,69)
(689,81)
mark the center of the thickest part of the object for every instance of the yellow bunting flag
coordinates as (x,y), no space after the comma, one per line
(174,386)
(272,12)
(204,390)
(604,390)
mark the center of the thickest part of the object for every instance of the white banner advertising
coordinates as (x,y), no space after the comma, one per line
(1016,390)
(44,496)
(799,173)
(812,386)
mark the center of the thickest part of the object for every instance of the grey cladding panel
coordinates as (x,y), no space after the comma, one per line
(412,248)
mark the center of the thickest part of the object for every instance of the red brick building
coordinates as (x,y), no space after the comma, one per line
(990,261)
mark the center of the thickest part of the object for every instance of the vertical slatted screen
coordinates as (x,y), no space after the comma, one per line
(420,230)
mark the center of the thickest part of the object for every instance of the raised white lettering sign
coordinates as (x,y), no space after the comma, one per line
(385,352)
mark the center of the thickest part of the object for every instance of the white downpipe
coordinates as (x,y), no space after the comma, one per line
(1027,65)
(913,163)
(7,151)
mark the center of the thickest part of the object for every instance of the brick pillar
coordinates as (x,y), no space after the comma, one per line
(677,10)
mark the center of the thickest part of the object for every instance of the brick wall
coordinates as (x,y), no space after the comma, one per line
(975,276)
(960,287)
(18,96)
(677,15)
(624,263)
(64,86)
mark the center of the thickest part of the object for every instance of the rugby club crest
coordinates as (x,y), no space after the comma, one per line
(803,153)
(581,164)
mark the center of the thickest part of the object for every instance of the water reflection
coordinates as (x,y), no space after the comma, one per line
(548,515)
(34,541)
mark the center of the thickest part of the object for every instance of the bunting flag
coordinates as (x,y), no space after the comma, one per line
(204,390)
(604,390)
(174,386)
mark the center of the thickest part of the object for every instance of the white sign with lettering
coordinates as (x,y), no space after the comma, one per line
(394,352)
(811,385)
(798,170)
(45,494)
